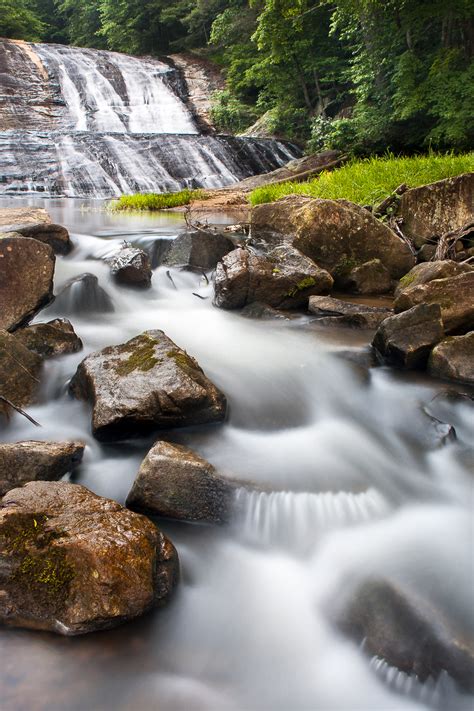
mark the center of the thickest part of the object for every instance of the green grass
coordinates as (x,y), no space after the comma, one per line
(369,181)
(156,201)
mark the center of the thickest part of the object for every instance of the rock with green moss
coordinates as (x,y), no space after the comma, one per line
(50,339)
(453,359)
(72,562)
(21,462)
(146,384)
(282,277)
(428,271)
(20,371)
(454,295)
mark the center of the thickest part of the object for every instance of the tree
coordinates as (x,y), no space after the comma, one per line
(19,21)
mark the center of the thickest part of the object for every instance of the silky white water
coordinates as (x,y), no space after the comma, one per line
(355,484)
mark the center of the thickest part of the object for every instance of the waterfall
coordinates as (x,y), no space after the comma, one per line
(93,123)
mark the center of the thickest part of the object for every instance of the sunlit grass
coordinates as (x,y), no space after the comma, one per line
(369,181)
(157,201)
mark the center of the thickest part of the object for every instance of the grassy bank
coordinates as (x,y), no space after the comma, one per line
(368,181)
(157,201)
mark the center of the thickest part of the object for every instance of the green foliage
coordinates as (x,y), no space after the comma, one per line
(229,114)
(156,201)
(370,180)
(18,20)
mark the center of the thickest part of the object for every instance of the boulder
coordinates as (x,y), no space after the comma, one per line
(21,462)
(83,295)
(406,339)
(336,234)
(283,278)
(145,384)
(453,359)
(20,371)
(455,295)
(56,236)
(131,267)
(337,312)
(50,339)
(432,210)
(406,631)
(73,562)
(198,249)
(369,278)
(23,216)
(175,482)
(26,279)
(428,271)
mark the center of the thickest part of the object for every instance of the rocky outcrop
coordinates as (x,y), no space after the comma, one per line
(432,210)
(83,295)
(26,279)
(428,271)
(20,371)
(146,384)
(408,633)
(198,249)
(369,278)
(336,312)
(34,222)
(50,339)
(405,340)
(21,462)
(297,169)
(175,482)
(336,234)
(73,562)
(453,359)
(455,296)
(131,267)
(283,278)
(23,216)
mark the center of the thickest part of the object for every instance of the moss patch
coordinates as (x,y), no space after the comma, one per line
(305,283)
(407,280)
(142,358)
(182,359)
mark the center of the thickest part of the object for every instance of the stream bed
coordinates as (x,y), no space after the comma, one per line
(359,482)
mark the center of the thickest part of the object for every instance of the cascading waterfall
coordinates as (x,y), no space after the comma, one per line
(113,124)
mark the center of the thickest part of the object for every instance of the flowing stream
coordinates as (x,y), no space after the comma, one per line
(357,483)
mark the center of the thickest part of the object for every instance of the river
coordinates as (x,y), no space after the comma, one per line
(360,484)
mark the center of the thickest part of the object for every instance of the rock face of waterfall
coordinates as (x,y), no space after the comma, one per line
(90,123)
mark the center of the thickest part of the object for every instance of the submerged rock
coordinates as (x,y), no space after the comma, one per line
(336,312)
(406,339)
(408,633)
(83,295)
(453,359)
(21,462)
(175,482)
(147,383)
(20,371)
(131,267)
(455,296)
(56,236)
(26,279)
(50,339)
(283,278)
(198,249)
(73,562)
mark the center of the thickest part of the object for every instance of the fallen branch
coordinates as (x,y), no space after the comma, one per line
(168,274)
(19,410)
(446,248)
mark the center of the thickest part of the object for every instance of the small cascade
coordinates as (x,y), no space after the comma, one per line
(296,519)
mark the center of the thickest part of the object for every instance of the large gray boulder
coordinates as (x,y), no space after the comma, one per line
(336,234)
(145,384)
(50,339)
(455,296)
(72,562)
(21,462)
(336,312)
(26,279)
(432,210)
(175,482)
(20,371)
(198,249)
(283,278)
(406,339)
(453,359)
(131,267)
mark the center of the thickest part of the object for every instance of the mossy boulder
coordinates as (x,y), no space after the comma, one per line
(20,371)
(21,462)
(50,339)
(146,384)
(428,271)
(282,277)
(454,295)
(175,482)
(405,340)
(72,562)
(453,359)
(26,279)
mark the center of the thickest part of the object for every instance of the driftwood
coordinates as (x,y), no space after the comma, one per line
(394,224)
(6,404)
(446,247)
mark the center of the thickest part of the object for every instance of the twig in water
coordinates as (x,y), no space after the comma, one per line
(168,274)
(205,277)
(199,296)
(19,410)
